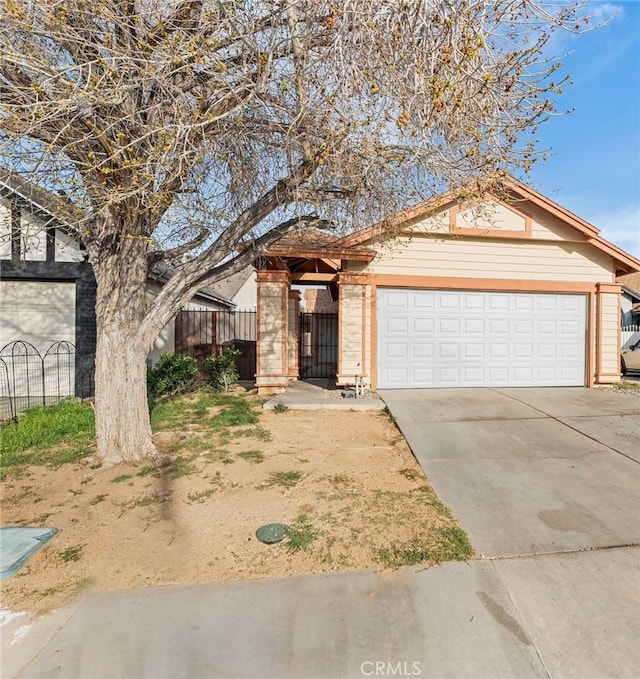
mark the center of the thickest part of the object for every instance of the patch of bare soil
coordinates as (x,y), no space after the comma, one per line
(345,481)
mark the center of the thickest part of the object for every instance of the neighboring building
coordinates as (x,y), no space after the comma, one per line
(240,288)
(519,293)
(47,287)
(630,300)
(319,301)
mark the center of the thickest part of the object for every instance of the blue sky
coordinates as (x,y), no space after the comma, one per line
(595,167)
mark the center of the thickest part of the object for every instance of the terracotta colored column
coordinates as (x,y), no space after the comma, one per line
(272,350)
(293,333)
(607,333)
(354,329)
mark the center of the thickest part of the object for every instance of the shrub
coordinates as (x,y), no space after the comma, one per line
(222,369)
(171,372)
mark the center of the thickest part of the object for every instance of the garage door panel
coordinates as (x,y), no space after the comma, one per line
(423,350)
(522,327)
(397,350)
(473,350)
(474,325)
(467,338)
(426,301)
(397,325)
(419,325)
(498,326)
(37,312)
(571,304)
(525,302)
(471,303)
(497,302)
(498,351)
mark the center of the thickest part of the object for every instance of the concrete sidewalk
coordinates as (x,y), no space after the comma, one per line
(547,616)
(321,394)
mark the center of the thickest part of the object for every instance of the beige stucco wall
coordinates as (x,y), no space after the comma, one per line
(492,217)
(477,257)
(609,332)
(292,333)
(354,335)
(272,339)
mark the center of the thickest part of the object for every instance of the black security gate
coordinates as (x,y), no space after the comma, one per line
(318,345)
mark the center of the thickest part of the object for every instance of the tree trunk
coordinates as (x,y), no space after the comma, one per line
(123,426)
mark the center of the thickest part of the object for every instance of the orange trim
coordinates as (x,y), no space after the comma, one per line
(361,255)
(284,329)
(619,339)
(354,278)
(374,336)
(314,277)
(258,328)
(455,230)
(363,341)
(400,220)
(273,277)
(340,314)
(482,284)
(605,289)
(614,288)
(293,367)
(598,335)
(404,218)
(591,339)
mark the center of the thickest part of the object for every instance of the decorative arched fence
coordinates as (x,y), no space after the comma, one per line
(29,378)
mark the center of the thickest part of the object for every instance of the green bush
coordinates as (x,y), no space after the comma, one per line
(222,369)
(170,373)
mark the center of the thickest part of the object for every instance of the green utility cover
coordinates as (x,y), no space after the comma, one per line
(271,532)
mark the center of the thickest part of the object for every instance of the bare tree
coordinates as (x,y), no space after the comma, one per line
(175,129)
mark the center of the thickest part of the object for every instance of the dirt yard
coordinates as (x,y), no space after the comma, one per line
(344,482)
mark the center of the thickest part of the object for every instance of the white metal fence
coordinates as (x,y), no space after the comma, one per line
(629,335)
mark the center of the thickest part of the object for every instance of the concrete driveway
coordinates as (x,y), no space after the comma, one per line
(529,471)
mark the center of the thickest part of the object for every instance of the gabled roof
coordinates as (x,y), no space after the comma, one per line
(312,243)
(635,296)
(162,272)
(38,199)
(625,261)
(229,286)
(631,282)
(53,207)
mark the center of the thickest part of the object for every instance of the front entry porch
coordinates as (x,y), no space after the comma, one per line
(291,345)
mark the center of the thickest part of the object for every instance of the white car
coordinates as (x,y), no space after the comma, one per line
(630,358)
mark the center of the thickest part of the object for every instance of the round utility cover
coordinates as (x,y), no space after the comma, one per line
(271,532)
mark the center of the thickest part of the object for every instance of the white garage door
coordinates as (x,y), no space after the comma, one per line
(37,312)
(451,338)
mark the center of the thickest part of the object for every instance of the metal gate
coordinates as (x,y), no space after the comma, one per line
(318,345)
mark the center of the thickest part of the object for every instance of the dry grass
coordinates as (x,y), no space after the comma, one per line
(344,482)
